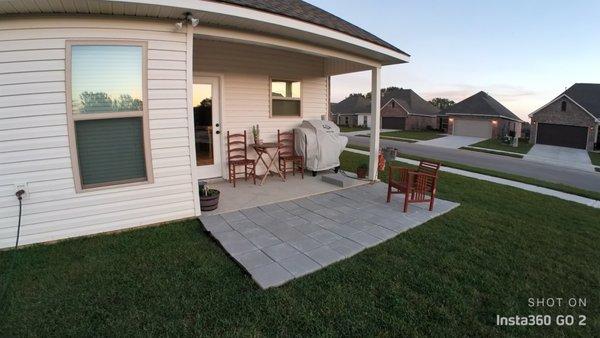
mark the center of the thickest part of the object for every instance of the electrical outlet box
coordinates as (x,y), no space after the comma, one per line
(22,186)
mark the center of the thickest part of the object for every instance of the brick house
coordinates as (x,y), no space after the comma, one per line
(401,109)
(480,115)
(572,119)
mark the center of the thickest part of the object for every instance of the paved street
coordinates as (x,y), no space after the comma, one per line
(541,171)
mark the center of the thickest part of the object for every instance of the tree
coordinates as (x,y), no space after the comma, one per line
(442,103)
(95,102)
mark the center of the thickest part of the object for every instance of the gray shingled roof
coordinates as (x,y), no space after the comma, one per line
(353,104)
(480,104)
(586,95)
(304,11)
(411,101)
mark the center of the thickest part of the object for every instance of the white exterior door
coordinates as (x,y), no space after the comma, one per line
(207,126)
(474,128)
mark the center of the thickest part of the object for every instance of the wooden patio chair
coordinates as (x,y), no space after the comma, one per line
(237,155)
(416,185)
(286,142)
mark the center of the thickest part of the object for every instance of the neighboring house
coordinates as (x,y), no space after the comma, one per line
(400,109)
(572,119)
(481,115)
(353,111)
(405,110)
(111,111)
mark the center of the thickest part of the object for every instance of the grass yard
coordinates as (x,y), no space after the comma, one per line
(550,185)
(448,277)
(345,129)
(495,144)
(595,157)
(415,135)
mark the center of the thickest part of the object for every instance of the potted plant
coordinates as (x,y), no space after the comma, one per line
(209,198)
(362,170)
(256,134)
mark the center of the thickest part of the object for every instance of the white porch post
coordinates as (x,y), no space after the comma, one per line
(375,121)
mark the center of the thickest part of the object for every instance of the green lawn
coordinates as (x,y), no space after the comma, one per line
(595,157)
(518,178)
(415,135)
(495,144)
(448,277)
(345,129)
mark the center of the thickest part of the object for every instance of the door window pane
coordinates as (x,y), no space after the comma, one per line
(203,123)
(106,78)
(110,151)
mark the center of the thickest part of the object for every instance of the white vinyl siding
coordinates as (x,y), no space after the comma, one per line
(34,145)
(247,71)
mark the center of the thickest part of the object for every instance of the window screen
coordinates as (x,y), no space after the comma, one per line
(110,150)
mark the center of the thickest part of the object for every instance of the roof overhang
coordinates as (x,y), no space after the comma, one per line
(563,95)
(212,13)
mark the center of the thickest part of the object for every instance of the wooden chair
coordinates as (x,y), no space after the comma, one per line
(416,185)
(237,155)
(286,141)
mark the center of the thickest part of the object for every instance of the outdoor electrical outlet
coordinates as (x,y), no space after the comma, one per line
(24,187)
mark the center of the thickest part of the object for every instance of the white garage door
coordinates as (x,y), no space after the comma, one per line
(474,128)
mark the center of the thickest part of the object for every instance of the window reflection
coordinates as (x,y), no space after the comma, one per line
(106,78)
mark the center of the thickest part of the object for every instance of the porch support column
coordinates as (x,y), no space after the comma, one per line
(375,121)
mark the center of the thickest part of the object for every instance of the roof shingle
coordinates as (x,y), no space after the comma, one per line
(480,104)
(586,95)
(304,11)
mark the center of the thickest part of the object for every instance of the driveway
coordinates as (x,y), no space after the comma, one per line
(561,156)
(452,141)
(541,171)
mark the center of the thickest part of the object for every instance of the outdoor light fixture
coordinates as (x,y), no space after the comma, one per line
(189,18)
(451,120)
(495,122)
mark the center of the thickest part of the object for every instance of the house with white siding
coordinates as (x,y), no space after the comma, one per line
(103,104)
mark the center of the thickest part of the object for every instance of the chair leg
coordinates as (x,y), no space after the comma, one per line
(234,176)
(254,173)
(406,197)
(431,203)
(302,166)
(389,195)
(245,172)
(293,167)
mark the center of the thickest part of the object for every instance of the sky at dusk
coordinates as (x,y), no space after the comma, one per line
(523,53)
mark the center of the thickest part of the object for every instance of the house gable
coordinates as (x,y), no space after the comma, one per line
(575,115)
(394,109)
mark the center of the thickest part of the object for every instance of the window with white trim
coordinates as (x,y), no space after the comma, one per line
(107,113)
(286,98)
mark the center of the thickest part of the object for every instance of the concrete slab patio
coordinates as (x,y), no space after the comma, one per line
(278,242)
(452,141)
(561,156)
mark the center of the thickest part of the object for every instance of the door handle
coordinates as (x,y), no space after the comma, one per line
(218,132)
(217,125)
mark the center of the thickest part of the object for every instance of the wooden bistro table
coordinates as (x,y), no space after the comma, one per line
(263,150)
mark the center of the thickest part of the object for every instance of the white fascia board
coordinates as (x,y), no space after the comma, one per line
(563,95)
(254,14)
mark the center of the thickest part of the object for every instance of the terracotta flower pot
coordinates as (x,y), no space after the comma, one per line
(208,203)
(361,172)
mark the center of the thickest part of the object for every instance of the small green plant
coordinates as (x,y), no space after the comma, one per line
(207,192)
(256,132)
(363,166)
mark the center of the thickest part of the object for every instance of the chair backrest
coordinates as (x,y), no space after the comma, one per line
(286,141)
(429,167)
(236,146)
